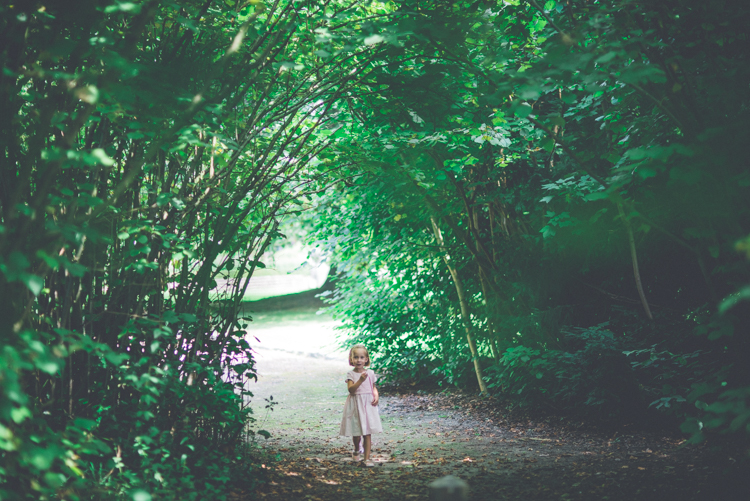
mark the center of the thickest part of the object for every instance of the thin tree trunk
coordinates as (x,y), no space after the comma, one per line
(492,331)
(634,258)
(464,305)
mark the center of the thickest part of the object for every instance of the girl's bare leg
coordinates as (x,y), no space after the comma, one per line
(356,445)
(368,445)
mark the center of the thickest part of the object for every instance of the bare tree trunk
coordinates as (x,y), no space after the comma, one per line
(464,305)
(634,258)
(491,330)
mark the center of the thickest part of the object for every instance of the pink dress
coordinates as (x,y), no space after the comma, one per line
(360,416)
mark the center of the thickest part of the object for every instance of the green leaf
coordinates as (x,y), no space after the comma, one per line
(170,316)
(33,282)
(645,172)
(740,420)
(522,110)
(130,8)
(54,480)
(114,358)
(141,495)
(84,424)
(41,458)
(75,269)
(613,157)
(51,261)
(20,414)
(637,153)
(607,57)
(559,121)
(731,301)
(597,195)
(373,39)
(724,330)
(46,363)
(99,157)
(177,203)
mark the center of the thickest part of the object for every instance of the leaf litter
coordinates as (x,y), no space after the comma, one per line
(427,438)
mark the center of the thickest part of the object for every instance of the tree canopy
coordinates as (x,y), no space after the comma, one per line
(545,202)
(554,198)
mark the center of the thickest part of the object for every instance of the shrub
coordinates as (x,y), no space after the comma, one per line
(592,375)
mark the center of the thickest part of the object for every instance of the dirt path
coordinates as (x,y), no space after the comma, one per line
(428,436)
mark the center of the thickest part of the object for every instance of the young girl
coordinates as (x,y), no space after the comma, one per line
(361,418)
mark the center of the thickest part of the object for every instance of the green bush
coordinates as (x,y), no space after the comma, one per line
(159,433)
(592,376)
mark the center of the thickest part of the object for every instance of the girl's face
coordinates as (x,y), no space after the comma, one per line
(359,358)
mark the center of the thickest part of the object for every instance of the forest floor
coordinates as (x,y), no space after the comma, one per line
(427,436)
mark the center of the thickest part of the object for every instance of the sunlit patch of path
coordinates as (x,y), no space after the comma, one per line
(299,365)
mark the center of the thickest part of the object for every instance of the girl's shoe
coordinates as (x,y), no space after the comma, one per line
(355,457)
(367,463)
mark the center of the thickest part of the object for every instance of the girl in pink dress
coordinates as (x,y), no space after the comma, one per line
(361,417)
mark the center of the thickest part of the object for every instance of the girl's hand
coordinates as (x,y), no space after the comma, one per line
(375,400)
(363,376)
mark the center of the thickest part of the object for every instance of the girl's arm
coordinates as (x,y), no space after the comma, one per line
(375,394)
(352,386)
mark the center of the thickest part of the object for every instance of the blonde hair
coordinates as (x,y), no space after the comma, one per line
(358,347)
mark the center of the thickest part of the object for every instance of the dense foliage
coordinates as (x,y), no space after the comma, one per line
(547,201)
(555,198)
(149,152)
